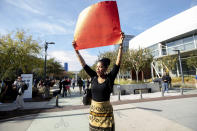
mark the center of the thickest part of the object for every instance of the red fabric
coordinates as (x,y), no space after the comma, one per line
(67,87)
(98,25)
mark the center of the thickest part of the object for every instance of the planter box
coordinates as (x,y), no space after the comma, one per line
(129,89)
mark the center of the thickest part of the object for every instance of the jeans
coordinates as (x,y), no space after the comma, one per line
(165,86)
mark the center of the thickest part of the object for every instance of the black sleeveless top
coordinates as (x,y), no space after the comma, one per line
(101,91)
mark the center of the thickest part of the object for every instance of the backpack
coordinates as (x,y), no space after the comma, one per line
(25,87)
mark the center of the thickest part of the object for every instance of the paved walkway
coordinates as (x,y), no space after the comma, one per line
(76,99)
(176,114)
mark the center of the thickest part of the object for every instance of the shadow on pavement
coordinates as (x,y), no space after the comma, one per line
(35,116)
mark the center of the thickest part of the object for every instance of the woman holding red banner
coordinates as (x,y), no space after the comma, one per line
(101,112)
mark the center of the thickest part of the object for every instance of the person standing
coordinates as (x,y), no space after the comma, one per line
(101,112)
(19,84)
(165,79)
(3,90)
(169,81)
(47,84)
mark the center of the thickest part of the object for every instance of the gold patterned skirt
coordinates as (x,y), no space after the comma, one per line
(101,116)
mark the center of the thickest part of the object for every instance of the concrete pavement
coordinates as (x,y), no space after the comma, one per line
(76,99)
(176,114)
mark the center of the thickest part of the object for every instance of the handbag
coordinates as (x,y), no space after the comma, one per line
(87,96)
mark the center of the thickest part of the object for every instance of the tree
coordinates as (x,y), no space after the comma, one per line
(139,59)
(169,63)
(54,67)
(192,62)
(148,58)
(18,51)
(83,74)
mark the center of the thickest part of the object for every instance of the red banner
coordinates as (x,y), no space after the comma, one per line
(98,25)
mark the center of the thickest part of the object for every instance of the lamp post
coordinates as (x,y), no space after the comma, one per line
(45,60)
(181,70)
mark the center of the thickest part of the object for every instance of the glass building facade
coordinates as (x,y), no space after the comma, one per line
(167,48)
(125,43)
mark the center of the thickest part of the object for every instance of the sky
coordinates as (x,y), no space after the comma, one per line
(55,21)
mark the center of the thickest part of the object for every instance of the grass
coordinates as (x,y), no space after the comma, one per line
(176,82)
(125,82)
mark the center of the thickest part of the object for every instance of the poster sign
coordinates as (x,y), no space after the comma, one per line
(98,25)
(28,79)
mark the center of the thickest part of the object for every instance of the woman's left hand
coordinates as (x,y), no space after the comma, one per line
(123,36)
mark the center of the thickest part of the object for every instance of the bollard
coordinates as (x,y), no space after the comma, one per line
(56,100)
(140,94)
(119,95)
(181,90)
(162,92)
(119,91)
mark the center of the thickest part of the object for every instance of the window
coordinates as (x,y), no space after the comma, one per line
(154,47)
(195,37)
(155,53)
(170,44)
(188,40)
(189,46)
(178,42)
(181,48)
(170,51)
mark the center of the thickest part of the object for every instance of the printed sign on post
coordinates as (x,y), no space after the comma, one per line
(28,79)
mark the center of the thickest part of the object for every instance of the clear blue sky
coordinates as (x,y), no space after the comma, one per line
(54,20)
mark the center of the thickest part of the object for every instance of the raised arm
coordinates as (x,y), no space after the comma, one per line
(81,60)
(119,57)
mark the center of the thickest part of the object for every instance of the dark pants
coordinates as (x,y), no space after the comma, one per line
(64,92)
(60,90)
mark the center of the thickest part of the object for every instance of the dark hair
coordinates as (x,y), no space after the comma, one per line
(105,62)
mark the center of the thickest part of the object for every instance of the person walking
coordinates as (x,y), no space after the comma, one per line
(60,86)
(68,86)
(101,112)
(84,84)
(88,83)
(80,84)
(73,83)
(19,85)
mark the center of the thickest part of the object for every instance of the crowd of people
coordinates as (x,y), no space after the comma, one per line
(45,86)
(10,90)
(14,90)
(66,83)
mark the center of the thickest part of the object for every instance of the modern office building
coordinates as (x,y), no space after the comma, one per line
(66,66)
(176,33)
(125,42)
